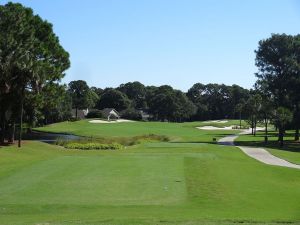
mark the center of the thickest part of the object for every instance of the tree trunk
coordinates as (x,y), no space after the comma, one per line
(240,120)
(2,137)
(266,130)
(280,136)
(255,122)
(76,113)
(12,130)
(297,123)
(252,125)
(297,134)
(21,118)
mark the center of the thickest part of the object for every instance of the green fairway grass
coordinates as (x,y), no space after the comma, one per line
(176,131)
(186,181)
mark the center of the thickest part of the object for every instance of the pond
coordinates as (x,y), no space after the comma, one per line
(49,138)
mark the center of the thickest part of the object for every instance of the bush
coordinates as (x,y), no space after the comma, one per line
(92,146)
(95,114)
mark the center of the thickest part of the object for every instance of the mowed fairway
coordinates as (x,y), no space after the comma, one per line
(102,180)
(188,181)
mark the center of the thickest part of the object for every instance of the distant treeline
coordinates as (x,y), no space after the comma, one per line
(163,103)
(54,102)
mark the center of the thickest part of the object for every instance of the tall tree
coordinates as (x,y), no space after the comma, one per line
(172,105)
(253,105)
(136,92)
(294,85)
(278,62)
(57,103)
(239,108)
(82,96)
(216,101)
(30,56)
(281,118)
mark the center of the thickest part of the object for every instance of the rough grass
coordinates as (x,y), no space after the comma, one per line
(92,146)
(98,143)
(179,182)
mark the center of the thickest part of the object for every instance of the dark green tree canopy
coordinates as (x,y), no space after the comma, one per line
(136,92)
(278,62)
(112,98)
(30,57)
(216,101)
(82,96)
(29,45)
(169,104)
(277,59)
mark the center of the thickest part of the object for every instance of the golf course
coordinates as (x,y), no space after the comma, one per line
(143,112)
(187,179)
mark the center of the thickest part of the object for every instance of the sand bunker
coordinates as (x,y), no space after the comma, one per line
(214,128)
(216,121)
(111,121)
(228,128)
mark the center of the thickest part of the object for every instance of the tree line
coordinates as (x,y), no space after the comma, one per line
(200,102)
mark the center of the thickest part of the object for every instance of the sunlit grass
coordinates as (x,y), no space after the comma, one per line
(186,181)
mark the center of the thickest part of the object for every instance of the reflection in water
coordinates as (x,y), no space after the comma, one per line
(48,137)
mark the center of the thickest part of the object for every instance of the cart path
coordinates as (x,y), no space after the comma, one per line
(259,154)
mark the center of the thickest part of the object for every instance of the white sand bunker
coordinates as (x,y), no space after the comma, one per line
(216,121)
(214,128)
(111,121)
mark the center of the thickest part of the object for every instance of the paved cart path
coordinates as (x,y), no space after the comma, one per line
(259,154)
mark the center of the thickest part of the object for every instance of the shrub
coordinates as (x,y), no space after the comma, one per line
(91,143)
(147,137)
(92,146)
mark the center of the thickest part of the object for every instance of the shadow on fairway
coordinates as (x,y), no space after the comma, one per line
(290,146)
(258,141)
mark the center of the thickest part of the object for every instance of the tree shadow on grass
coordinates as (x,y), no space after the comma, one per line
(289,145)
(5,144)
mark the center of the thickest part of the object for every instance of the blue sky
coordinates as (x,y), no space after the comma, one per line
(165,41)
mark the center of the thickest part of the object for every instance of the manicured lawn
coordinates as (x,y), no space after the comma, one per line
(289,152)
(176,131)
(182,182)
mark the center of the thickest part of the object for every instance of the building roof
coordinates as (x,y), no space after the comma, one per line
(108,111)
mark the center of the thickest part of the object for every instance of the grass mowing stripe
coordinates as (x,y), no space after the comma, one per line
(98,180)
